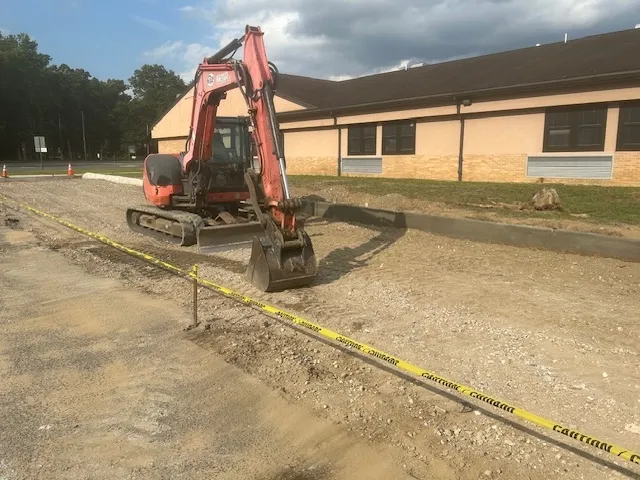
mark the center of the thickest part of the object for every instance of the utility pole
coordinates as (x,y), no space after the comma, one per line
(60,130)
(147,139)
(84,138)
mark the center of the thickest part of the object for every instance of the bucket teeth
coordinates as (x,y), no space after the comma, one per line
(271,269)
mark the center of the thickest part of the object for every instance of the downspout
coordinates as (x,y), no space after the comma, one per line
(461,146)
(335,124)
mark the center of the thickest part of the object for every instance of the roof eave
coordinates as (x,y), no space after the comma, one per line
(294,99)
(176,102)
(456,97)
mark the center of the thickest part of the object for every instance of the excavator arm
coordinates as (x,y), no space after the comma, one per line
(283,257)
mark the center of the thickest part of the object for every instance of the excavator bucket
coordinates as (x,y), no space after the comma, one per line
(220,238)
(274,269)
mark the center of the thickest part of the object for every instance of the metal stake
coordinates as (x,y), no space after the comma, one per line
(194,270)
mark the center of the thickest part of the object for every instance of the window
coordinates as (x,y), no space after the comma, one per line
(362,140)
(629,127)
(399,138)
(576,129)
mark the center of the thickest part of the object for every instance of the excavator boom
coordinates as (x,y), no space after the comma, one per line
(262,213)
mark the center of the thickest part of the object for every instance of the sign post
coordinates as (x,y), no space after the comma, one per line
(40,148)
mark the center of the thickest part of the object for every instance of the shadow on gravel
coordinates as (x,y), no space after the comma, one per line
(297,474)
(467,407)
(341,261)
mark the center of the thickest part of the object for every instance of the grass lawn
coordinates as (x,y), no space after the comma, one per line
(601,204)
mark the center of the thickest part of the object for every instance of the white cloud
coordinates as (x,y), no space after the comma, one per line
(341,39)
(192,56)
(150,23)
(185,56)
(188,9)
(197,12)
(340,78)
(166,51)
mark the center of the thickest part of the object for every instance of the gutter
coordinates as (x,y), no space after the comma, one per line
(461,145)
(446,98)
(335,124)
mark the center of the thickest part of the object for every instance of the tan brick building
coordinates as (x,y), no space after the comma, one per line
(566,112)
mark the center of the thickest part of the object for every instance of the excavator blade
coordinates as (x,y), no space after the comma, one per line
(221,238)
(271,269)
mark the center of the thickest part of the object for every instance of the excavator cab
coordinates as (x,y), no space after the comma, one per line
(230,155)
(232,223)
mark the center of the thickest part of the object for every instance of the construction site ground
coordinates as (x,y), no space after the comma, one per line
(99,381)
(554,334)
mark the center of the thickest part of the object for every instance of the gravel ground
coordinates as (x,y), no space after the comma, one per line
(101,381)
(555,334)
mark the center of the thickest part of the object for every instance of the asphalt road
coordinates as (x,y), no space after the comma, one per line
(34,167)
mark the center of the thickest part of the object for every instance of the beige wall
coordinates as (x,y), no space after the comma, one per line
(432,139)
(312,152)
(611,133)
(322,122)
(437,145)
(495,147)
(513,168)
(612,95)
(626,168)
(504,135)
(175,145)
(437,138)
(496,150)
(176,122)
(420,166)
(397,115)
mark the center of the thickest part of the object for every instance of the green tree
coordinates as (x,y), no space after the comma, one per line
(155,89)
(38,98)
(23,93)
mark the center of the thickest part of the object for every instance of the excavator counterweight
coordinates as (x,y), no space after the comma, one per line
(211,195)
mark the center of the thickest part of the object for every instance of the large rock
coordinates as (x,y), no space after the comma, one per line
(546,199)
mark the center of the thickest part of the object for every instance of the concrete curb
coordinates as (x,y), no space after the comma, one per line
(42,175)
(562,241)
(113,178)
(542,238)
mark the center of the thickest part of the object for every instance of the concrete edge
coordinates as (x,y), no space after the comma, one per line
(542,238)
(113,178)
(42,176)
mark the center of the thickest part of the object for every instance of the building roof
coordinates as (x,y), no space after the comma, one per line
(595,58)
(305,91)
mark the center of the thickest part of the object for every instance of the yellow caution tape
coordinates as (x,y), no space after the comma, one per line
(362,347)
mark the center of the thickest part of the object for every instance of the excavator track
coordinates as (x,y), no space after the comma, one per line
(179,228)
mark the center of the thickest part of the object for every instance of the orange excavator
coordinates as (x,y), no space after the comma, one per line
(211,194)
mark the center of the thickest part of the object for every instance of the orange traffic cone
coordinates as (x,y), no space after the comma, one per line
(4,171)
(70,170)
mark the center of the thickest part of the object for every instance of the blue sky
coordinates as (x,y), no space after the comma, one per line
(329,39)
(107,38)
